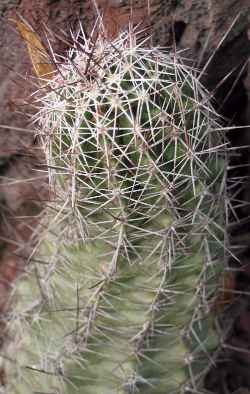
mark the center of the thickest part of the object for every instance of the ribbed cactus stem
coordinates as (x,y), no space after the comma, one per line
(129,266)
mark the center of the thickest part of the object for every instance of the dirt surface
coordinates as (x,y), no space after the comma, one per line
(198,26)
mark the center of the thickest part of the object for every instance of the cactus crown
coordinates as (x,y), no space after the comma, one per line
(118,299)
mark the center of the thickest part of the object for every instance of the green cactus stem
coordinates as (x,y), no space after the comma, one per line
(117,297)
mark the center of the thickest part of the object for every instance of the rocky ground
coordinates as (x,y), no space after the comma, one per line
(216,33)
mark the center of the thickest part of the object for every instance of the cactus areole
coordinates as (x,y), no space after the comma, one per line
(118,298)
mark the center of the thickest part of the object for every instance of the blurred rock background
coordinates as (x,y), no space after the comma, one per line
(212,32)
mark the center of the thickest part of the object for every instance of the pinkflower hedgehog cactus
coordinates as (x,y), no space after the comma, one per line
(117,297)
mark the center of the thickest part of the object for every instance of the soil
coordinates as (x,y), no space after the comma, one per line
(212,32)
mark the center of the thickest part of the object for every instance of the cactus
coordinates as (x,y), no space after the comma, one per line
(117,296)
